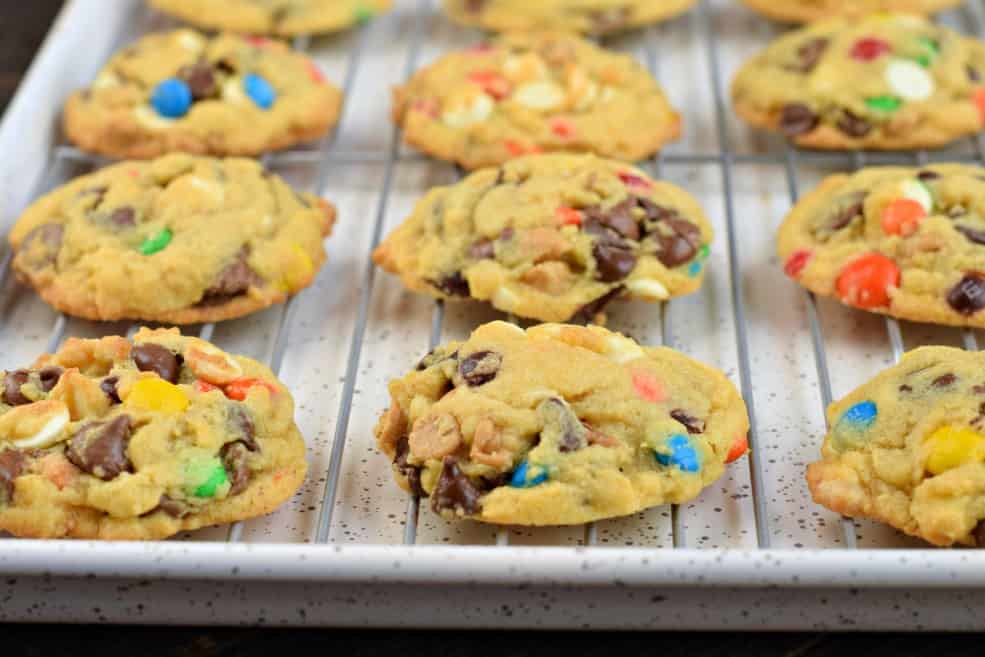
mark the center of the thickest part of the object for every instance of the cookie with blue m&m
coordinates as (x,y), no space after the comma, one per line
(558,425)
(805,11)
(278,17)
(908,448)
(140,439)
(881,81)
(210,95)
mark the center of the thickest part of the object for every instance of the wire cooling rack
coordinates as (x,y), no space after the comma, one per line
(335,345)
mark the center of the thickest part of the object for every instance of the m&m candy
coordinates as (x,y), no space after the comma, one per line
(259,90)
(865,281)
(678,451)
(171,98)
(950,447)
(528,476)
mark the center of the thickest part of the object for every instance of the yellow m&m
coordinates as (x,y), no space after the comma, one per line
(950,447)
(157,395)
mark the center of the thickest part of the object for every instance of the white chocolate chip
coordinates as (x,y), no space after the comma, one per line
(210,187)
(917,191)
(622,349)
(524,68)
(909,80)
(232,91)
(190,41)
(37,425)
(148,118)
(647,288)
(105,80)
(475,111)
(539,95)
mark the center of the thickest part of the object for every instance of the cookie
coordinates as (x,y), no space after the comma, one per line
(885,81)
(279,17)
(585,16)
(805,11)
(531,93)
(552,237)
(904,242)
(908,448)
(183,91)
(180,239)
(558,425)
(116,440)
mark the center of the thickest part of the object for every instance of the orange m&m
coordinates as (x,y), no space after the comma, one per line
(865,281)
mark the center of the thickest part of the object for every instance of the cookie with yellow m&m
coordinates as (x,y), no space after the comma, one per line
(882,81)
(279,17)
(179,239)
(141,439)
(905,242)
(558,425)
(908,448)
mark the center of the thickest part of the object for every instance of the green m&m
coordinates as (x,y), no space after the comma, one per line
(156,242)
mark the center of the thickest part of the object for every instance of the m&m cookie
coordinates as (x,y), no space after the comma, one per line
(278,17)
(805,11)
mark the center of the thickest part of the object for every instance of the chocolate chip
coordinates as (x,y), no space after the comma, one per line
(454,491)
(100,448)
(150,357)
(978,389)
(453,284)
(619,218)
(944,380)
(411,472)
(241,422)
(48,239)
(558,417)
(200,79)
(979,534)
(927,174)
(482,249)
(612,263)
(108,386)
(588,312)
(679,244)
(972,234)
(973,73)
(691,423)
(172,507)
(12,382)
(49,377)
(905,388)
(810,53)
(235,279)
(225,66)
(797,119)
(480,367)
(234,457)
(853,125)
(968,296)
(854,208)
(11,466)
(123,217)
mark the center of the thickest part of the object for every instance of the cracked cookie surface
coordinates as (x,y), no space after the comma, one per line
(908,448)
(183,91)
(904,242)
(805,11)
(113,439)
(558,425)
(884,81)
(585,16)
(279,17)
(552,237)
(179,239)
(531,93)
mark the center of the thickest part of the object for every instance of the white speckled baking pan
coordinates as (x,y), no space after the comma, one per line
(752,552)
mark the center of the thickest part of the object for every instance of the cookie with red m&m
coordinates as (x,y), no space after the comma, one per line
(219,95)
(279,17)
(558,425)
(120,439)
(531,93)
(908,448)
(805,11)
(904,242)
(584,16)
(883,81)
(552,237)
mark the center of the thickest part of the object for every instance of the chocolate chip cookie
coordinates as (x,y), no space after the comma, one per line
(552,237)
(179,239)
(558,425)
(111,439)
(280,17)
(586,16)
(884,81)
(904,242)
(805,11)
(183,91)
(908,448)
(531,93)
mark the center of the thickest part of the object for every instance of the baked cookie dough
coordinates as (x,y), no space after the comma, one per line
(552,237)
(908,448)
(904,242)
(884,81)
(279,17)
(183,91)
(116,440)
(805,11)
(558,425)
(179,239)
(530,93)
(585,16)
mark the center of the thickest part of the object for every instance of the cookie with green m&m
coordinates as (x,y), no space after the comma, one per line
(278,17)
(558,425)
(905,242)
(120,439)
(883,81)
(180,239)
(908,448)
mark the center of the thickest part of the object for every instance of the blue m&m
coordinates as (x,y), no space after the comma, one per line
(849,432)
(171,98)
(678,451)
(528,476)
(861,415)
(259,90)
